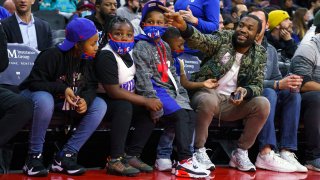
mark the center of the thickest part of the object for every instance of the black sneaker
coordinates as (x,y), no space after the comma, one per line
(34,166)
(120,167)
(66,162)
(136,162)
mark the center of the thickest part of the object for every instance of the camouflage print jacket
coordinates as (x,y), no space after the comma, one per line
(216,46)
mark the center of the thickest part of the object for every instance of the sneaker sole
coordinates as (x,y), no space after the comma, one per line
(309,166)
(113,172)
(184,174)
(42,173)
(302,170)
(162,169)
(58,169)
(233,165)
(275,169)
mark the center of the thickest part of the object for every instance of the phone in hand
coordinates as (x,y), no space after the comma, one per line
(235,95)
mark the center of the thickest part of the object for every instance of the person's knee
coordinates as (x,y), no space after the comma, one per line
(99,107)
(207,103)
(271,95)
(262,106)
(295,99)
(43,101)
(311,99)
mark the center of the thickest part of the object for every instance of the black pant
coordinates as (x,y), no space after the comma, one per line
(311,117)
(184,122)
(15,112)
(123,115)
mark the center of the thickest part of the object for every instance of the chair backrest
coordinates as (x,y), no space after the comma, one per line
(56,21)
(21,60)
(59,33)
(56,41)
(191,64)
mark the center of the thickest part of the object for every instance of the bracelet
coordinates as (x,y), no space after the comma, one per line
(277,85)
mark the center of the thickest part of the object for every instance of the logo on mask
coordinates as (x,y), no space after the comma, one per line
(154,32)
(121,47)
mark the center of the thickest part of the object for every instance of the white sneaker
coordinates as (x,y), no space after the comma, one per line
(191,169)
(273,162)
(292,159)
(240,160)
(203,158)
(163,164)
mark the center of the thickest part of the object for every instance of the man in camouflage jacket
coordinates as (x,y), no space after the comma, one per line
(238,63)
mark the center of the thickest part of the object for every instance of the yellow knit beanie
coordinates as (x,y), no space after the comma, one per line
(276,17)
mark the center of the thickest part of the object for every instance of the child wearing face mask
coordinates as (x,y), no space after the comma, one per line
(156,78)
(115,70)
(63,78)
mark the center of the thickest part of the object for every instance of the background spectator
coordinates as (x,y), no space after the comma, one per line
(280,32)
(228,22)
(299,22)
(203,15)
(129,10)
(23,27)
(237,11)
(4,13)
(63,7)
(312,5)
(105,9)
(287,5)
(84,8)
(311,32)
(9,5)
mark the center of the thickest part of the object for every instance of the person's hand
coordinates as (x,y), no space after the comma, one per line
(285,34)
(188,16)
(210,83)
(82,106)
(174,18)
(292,81)
(71,98)
(153,104)
(243,93)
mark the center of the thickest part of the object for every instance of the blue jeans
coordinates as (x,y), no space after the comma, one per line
(287,105)
(43,110)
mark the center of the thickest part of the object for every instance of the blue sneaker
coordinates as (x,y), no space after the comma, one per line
(313,164)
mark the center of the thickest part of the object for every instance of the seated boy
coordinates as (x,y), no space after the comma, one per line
(155,78)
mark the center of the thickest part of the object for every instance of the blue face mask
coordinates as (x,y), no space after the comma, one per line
(121,47)
(86,13)
(177,53)
(86,56)
(154,32)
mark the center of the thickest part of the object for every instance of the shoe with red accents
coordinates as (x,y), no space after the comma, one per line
(190,169)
